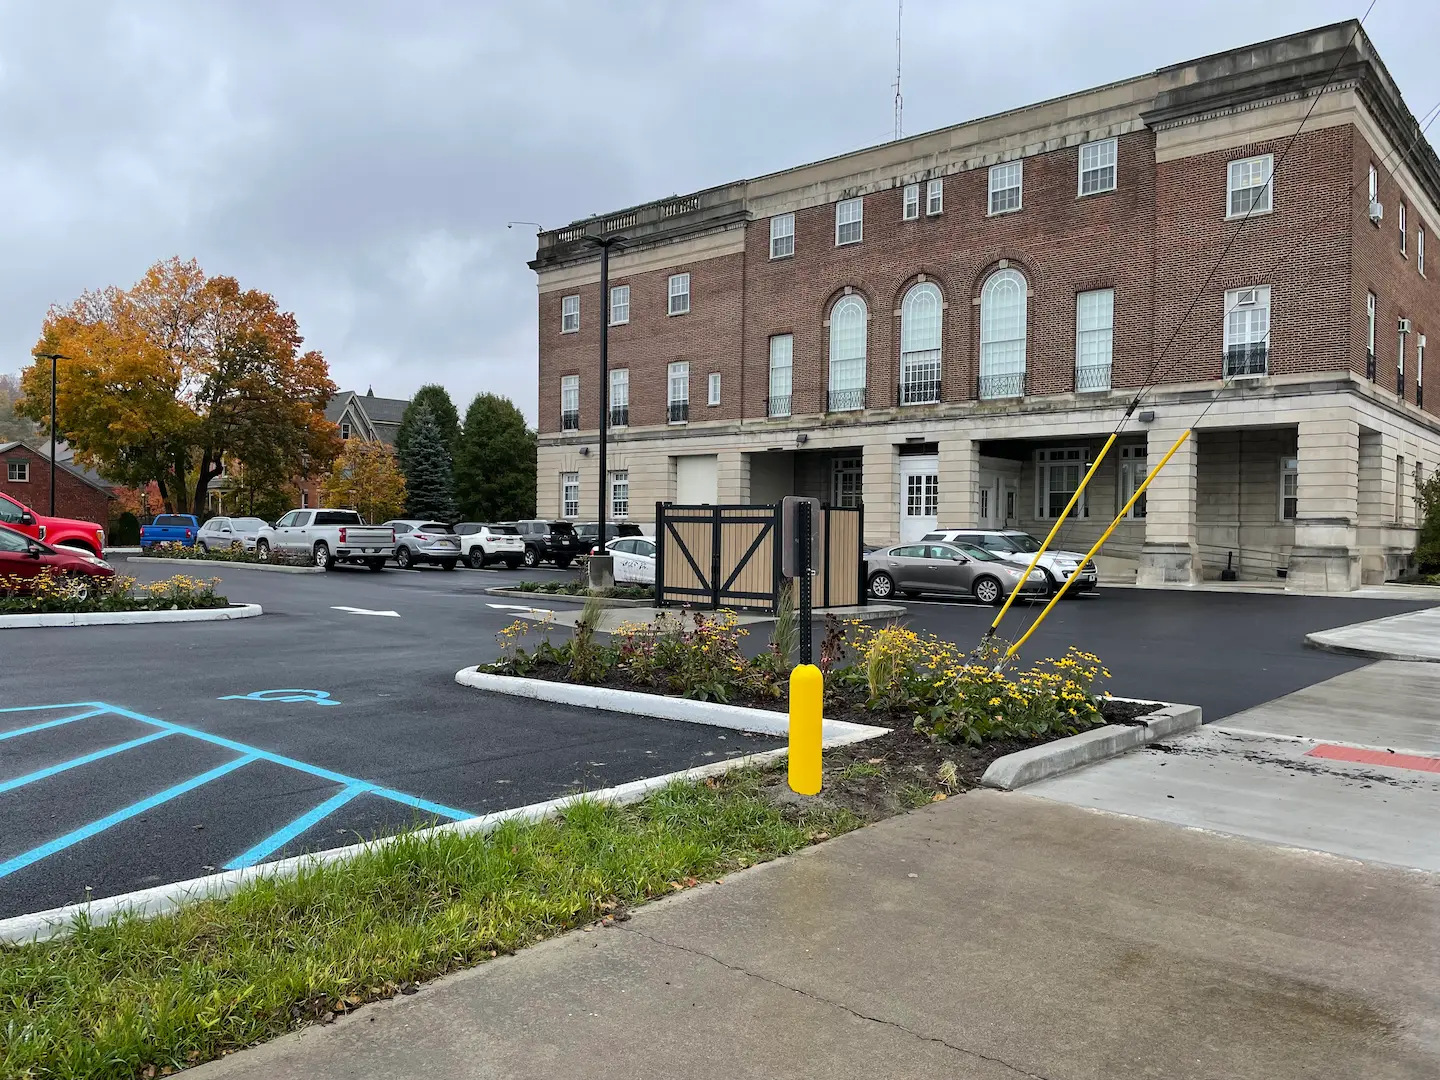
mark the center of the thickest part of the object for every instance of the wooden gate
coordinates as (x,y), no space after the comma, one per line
(729,556)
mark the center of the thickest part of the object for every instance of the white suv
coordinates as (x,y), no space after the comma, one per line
(1018,547)
(482,544)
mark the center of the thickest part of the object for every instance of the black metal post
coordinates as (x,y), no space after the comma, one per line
(53,360)
(802,567)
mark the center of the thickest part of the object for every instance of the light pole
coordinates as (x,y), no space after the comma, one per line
(52,357)
(601,567)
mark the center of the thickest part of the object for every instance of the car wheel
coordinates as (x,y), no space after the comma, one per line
(447,564)
(375,564)
(562,562)
(988,591)
(323,558)
(262,550)
(532,557)
(476,559)
(1051,585)
(203,547)
(882,585)
(403,559)
(513,564)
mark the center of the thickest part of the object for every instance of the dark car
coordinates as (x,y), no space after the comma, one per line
(589,532)
(22,559)
(550,541)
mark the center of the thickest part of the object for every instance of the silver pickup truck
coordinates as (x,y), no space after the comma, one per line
(330,535)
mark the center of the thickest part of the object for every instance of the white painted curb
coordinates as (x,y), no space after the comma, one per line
(636,703)
(129,618)
(1061,756)
(231,565)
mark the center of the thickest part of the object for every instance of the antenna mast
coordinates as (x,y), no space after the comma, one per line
(899,100)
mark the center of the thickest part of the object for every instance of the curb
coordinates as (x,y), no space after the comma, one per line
(162,899)
(684,710)
(129,618)
(232,565)
(1062,755)
(604,601)
(1315,641)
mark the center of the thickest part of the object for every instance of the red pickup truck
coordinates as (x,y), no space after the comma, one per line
(61,532)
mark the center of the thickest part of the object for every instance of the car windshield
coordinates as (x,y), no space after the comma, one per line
(1023,542)
(436,527)
(979,554)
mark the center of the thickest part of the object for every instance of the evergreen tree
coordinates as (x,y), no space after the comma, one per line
(437,399)
(495,464)
(429,480)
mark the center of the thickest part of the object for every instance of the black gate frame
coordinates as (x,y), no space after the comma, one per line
(713,592)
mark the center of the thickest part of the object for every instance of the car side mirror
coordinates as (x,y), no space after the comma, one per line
(27,518)
(960,559)
(34,551)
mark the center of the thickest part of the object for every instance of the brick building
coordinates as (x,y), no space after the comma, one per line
(79,493)
(358,416)
(948,326)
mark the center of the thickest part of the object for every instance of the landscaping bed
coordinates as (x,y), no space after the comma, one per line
(579,588)
(226,555)
(51,594)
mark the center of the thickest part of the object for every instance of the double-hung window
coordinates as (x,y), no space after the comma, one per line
(1057,475)
(848,481)
(782,358)
(679,392)
(1370,336)
(619,305)
(679,294)
(1249,189)
(570,403)
(920,325)
(712,389)
(1289,487)
(620,397)
(1420,250)
(934,197)
(849,335)
(1097,167)
(569,314)
(1006,182)
(910,203)
(1247,332)
(17,472)
(569,494)
(849,221)
(1403,229)
(1094,339)
(1134,467)
(620,494)
(782,236)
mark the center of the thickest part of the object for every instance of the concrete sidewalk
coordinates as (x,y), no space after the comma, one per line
(990,936)
(1414,637)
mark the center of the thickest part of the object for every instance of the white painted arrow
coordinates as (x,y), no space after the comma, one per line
(522,607)
(365,611)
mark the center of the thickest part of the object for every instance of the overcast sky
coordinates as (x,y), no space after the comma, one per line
(360,160)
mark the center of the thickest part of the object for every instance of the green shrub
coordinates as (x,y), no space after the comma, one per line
(49,592)
(125,531)
(1427,539)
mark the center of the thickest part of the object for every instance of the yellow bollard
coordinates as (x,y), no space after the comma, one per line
(807,697)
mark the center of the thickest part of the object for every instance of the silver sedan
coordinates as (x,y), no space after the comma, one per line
(951,569)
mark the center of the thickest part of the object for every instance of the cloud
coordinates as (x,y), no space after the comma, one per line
(360,160)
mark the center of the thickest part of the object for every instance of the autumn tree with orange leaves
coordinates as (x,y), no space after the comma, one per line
(169,380)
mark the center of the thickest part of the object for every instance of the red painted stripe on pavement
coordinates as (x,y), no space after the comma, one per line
(1376,757)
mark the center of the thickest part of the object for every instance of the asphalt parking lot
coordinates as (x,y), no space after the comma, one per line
(336,715)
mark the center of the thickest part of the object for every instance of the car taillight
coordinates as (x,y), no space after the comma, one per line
(421,536)
(392,536)
(342,534)
(187,534)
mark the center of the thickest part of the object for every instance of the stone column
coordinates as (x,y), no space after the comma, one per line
(1325,557)
(732,477)
(959,480)
(880,487)
(1171,552)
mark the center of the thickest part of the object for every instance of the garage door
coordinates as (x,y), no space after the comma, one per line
(696,480)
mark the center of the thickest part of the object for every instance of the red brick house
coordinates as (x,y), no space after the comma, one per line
(79,492)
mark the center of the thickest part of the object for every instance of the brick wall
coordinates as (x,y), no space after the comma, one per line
(74,498)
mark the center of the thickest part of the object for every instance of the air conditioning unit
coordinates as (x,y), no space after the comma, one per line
(1377,211)
(1404,326)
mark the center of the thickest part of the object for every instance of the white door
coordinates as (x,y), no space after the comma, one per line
(1008,501)
(919,496)
(987,501)
(697,480)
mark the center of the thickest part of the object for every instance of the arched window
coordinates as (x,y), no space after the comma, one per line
(920,345)
(849,327)
(1002,335)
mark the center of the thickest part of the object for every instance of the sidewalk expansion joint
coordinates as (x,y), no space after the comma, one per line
(966,1051)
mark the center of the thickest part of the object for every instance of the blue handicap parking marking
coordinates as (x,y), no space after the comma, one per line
(314,697)
(349,787)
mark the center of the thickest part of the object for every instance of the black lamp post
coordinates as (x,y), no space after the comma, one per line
(601,567)
(52,357)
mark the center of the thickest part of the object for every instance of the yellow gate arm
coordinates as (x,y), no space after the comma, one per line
(1059,522)
(1091,553)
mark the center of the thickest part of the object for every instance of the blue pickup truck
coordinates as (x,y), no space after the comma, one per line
(169,529)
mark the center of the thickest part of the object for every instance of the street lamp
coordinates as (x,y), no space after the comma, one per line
(601,568)
(52,357)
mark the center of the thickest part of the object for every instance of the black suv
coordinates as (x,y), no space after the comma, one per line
(589,532)
(550,541)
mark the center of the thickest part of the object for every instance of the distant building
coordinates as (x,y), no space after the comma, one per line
(358,416)
(947,327)
(79,492)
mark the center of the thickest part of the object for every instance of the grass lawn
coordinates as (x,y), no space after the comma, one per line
(141,998)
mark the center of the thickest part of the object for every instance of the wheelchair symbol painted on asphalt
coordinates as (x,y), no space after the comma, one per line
(317,697)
